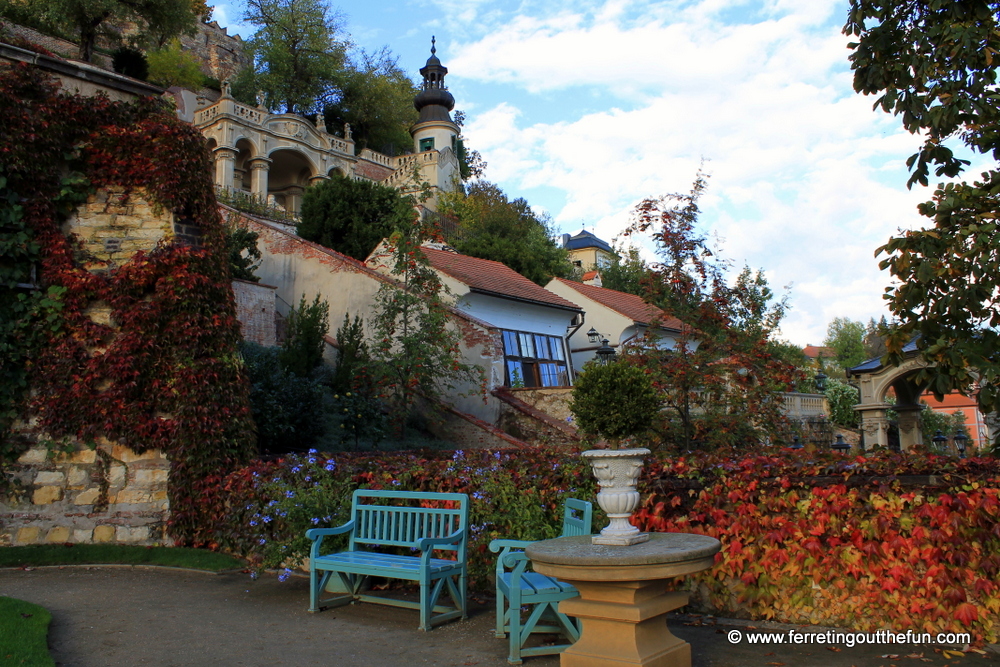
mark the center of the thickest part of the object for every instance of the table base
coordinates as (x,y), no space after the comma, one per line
(624,623)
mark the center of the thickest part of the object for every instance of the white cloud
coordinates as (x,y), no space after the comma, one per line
(806,180)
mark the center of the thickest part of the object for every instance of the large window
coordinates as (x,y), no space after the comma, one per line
(534,360)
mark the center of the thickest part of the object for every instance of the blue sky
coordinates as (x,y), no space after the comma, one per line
(586,107)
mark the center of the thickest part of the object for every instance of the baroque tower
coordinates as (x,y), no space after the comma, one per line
(435,130)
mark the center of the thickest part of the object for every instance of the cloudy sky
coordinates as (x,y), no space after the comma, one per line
(586,107)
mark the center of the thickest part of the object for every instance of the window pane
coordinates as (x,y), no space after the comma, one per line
(550,375)
(515,374)
(527,348)
(557,348)
(510,344)
(542,347)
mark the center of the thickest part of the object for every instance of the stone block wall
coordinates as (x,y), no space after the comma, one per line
(220,54)
(113,227)
(107,494)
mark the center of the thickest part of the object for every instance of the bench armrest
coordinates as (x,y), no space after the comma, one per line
(497,545)
(317,535)
(428,543)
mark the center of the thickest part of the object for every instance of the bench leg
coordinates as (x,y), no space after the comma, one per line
(501,614)
(316,584)
(426,605)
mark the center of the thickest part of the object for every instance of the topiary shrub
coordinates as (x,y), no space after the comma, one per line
(614,401)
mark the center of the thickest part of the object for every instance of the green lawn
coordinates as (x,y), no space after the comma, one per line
(84,554)
(24,631)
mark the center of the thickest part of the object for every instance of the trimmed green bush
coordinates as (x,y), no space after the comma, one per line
(614,401)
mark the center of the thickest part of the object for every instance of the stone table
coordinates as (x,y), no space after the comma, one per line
(624,595)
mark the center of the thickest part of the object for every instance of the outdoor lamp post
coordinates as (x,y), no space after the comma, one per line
(820,380)
(940,440)
(594,335)
(960,441)
(605,353)
(840,445)
(796,443)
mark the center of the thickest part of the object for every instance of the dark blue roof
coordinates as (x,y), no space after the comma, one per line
(875,364)
(586,240)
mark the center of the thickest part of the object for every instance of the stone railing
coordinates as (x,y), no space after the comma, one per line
(378,158)
(232,107)
(804,405)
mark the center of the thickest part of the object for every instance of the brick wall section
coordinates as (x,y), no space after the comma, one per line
(110,494)
(255,311)
(371,171)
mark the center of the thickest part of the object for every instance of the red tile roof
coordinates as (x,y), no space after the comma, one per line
(814,351)
(489,277)
(629,305)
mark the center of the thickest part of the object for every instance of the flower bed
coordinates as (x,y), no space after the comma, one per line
(887,541)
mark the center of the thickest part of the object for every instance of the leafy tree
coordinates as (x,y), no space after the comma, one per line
(847,338)
(152,22)
(415,352)
(244,256)
(626,272)
(351,216)
(842,397)
(306,327)
(286,407)
(470,163)
(172,66)
(130,62)
(490,226)
(376,97)
(721,382)
(614,401)
(353,358)
(875,334)
(932,64)
(298,53)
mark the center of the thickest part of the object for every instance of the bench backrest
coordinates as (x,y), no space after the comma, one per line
(400,519)
(577,517)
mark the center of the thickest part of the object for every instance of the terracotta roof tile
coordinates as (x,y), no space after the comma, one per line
(814,351)
(629,305)
(487,276)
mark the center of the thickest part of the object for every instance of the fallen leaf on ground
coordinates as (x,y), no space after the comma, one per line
(833,648)
(915,655)
(890,656)
(777,664)
(953,654)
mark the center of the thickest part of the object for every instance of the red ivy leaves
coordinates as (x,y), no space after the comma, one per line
(165,375)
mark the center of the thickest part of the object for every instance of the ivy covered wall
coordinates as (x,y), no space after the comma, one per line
(118,322)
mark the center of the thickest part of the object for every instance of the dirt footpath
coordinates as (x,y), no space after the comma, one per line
(111,617)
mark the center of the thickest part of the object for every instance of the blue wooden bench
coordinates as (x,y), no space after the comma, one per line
(519,587)
(424,523)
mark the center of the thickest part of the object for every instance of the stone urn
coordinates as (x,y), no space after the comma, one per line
(617,471)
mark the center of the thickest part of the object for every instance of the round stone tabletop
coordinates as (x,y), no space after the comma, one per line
(664,555)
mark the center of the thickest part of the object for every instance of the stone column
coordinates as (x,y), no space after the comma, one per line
(225,165)
(875,426)
(909,426)
(293,200)
(259,167)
